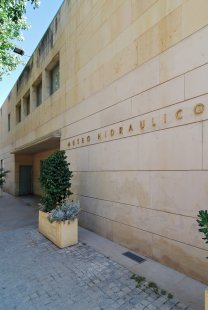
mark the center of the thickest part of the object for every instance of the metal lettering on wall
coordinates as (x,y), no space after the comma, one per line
(137,125)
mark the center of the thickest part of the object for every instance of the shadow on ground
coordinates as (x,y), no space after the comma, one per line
(18,212)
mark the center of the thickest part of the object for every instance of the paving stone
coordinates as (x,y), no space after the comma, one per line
(126,290)
(150,299)
(135,300)
(181,306)
(139,307)
(174,300)
(115,289)
(120,301)
(160,301)
(146,302)
(41,276)
(151,307)
(166,307)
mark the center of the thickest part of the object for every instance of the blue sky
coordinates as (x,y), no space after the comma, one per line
(39,20)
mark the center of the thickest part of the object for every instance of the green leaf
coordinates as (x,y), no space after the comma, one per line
(12,23)
(55,179)
(202,220)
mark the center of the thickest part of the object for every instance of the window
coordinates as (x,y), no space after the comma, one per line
(39,94)
(27,105)
(9,126)
(18,113)
(54,79)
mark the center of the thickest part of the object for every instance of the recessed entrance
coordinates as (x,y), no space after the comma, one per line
(27,163)
(25,180)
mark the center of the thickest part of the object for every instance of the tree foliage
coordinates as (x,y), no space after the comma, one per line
(55,179)
(12,23)
(68,211)
(202,220)
(203,223)
(3,174)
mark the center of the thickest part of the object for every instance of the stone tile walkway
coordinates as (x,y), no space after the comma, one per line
(35,274)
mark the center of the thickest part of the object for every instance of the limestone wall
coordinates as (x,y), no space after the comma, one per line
(133,112)
(138,145)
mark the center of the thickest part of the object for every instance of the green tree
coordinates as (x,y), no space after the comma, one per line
(3,174)
(55,179)
(12,22)
(202,220)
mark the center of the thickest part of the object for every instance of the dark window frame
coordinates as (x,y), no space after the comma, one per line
(39,94)
(27,105)
(9,122)
(55,74)
(18,113)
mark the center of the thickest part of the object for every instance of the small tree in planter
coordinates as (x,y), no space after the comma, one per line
(3,174)
(202,220)
(55,178)
(58,216)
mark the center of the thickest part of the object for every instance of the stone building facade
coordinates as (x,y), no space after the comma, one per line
(121,85)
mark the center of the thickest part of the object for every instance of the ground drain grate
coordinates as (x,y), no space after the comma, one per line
(134,257)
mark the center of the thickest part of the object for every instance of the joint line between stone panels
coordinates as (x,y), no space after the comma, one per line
(132,205)
(101,110)
(76,28)
(94,113)
(135,96)
(141,170)
(191,98)
(166,81)
(96,11)
(127,98)
(120,101)
(109,43)
(91,36)
(135,116)
(159,21)
(132,135)
(147,10)
(200,66)
(138,39)
(156,85)
(174,77)
(187,37)
(202,145)
(114,123)
(150,232)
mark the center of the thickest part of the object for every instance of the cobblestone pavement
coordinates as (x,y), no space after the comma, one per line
(35,274)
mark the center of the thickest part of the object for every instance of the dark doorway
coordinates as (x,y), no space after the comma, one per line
(25,180)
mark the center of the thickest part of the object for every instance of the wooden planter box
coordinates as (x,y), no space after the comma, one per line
(60,233)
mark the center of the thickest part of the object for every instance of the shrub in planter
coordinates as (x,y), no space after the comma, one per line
(67,211)
(61,224)
(202,220)
(58,216)
(54,179)
(3,174)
